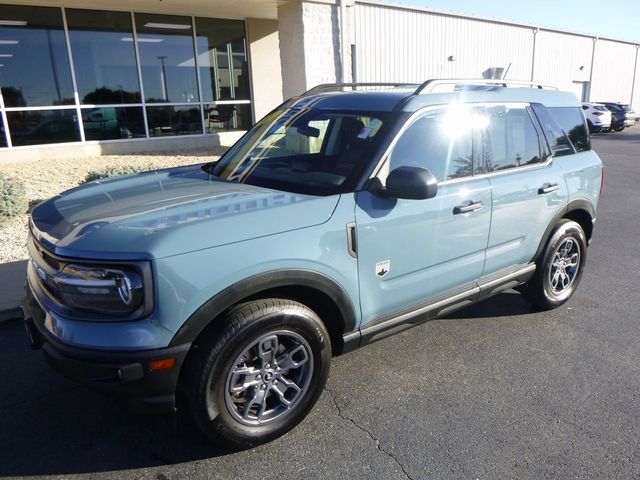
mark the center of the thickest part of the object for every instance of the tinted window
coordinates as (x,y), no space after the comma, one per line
(224,117)
(35,64)
(43,126)
(316,152)
(553,132)
(224,70)
(103,56)
(170,120)
(167,59)
(440,141)
(510,139)
(106,123)
(573,125)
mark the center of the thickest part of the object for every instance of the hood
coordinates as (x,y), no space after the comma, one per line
(168,212)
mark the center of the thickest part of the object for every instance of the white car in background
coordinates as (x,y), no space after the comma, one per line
(598,117)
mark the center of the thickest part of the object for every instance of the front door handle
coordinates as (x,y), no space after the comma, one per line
(548,188)
(467,207)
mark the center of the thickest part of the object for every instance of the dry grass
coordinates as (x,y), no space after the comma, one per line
(45,178)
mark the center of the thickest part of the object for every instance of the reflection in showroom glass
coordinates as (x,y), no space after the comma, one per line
(174,120)
(111,123)
(104,56)
(35,64)
(167,60)
(43,126)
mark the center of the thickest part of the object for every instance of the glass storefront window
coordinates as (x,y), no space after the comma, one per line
(3,137)
(222,58)
(225,117)
(111,123)
(32,127)
(128,68)
(165,43)
(104,56)
(174,120)
(34,61)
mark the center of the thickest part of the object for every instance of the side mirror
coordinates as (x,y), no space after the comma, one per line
(412,183)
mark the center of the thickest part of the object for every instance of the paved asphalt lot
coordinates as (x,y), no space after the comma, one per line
(493,391)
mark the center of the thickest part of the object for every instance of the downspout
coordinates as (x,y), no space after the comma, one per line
(533,54)
(343,41)
(593,57)
(633,83)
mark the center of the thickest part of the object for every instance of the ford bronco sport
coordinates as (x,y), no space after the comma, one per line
(347,214)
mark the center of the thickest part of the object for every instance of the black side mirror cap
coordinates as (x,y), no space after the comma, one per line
(412,183)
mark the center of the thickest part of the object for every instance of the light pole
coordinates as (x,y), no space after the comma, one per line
(163,78)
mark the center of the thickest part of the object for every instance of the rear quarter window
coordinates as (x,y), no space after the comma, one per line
(571,120)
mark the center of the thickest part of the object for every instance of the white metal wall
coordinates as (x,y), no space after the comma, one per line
(398,44)
(613,65)
(562,59)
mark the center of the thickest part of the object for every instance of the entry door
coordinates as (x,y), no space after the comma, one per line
(410,251)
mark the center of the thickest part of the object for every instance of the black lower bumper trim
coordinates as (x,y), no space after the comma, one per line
(124,374)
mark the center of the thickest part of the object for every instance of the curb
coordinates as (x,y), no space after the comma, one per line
(11,314)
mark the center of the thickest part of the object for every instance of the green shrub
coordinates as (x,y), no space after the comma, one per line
(115,170)
(13,200)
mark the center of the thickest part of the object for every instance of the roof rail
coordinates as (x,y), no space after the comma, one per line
(430,85)
(338,87)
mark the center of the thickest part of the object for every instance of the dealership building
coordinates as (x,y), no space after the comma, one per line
(82,77)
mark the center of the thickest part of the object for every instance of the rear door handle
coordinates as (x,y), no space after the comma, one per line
(467,207)
(548,188)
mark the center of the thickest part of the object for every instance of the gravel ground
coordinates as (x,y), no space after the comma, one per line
(44,179)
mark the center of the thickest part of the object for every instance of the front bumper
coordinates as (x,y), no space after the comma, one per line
(124,374)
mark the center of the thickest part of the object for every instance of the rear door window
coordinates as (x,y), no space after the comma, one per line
(510,139)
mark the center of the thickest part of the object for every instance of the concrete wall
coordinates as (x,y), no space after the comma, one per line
(309,45)
(266,74)
(156,144)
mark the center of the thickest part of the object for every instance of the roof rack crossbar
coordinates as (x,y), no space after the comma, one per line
(336,87)
(430,85)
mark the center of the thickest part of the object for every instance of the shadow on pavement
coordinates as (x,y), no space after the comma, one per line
(509,303)
(51,426)
(12,275)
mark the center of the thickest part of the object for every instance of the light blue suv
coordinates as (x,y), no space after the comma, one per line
(345,215)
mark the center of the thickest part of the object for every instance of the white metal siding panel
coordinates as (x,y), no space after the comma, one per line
(612,71)
(395,44)
(559,57)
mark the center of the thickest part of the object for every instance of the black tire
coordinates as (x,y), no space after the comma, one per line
(210,380)
(540,290)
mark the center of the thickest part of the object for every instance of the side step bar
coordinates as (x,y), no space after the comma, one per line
(438,307)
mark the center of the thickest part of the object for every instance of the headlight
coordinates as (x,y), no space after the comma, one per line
(102,289)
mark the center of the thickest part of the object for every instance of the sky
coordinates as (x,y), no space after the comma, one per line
(617,19)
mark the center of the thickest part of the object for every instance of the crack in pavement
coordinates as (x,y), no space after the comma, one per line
(376,441)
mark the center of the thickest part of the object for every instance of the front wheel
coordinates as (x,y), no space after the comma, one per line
(261,374)
(559,267)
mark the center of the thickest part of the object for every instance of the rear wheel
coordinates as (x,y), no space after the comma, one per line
(259,377)
(559,267)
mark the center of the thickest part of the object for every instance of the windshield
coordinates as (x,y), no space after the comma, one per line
(317,152)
